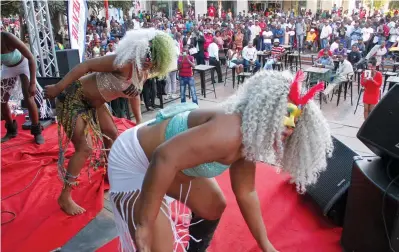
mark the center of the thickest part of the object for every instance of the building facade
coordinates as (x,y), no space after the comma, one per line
(236,6)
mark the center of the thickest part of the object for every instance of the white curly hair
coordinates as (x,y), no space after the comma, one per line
(262,102)
(136,44)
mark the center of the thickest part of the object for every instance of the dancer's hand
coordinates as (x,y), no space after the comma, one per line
(143,239)
(32,89)
(51,91)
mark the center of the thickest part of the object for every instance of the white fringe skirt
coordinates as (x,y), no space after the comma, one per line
(127,166)
(11,84)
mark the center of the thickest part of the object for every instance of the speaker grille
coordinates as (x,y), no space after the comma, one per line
(335,181)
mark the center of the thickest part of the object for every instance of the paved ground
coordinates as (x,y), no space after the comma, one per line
(344,125)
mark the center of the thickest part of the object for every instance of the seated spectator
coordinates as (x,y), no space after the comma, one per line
(325,61)
(340,50)
(372,85)
(344,69)
(250,54)
(362,47)
(354,56)
(185,66)
(378,51)
(334,45)
(321,52)
(276,53)
(235,59)
(310,39)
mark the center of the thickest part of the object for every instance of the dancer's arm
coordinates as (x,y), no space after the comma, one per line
(198,145)
(242,177)
(136,108)
(100,64)
(21,47)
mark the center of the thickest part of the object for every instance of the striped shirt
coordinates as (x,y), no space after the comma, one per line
(186,69)
(277,51)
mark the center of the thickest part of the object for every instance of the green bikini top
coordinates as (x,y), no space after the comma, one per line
(177,124)
(11,58)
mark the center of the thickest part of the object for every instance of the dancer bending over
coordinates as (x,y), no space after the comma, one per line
(81,105)
(18,72)
(178,155)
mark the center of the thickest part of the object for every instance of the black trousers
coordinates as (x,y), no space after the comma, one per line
(200,57)
(149,93)
(216,63)
(119,107)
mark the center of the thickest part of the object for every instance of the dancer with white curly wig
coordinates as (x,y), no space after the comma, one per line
(177,156)
(83,92)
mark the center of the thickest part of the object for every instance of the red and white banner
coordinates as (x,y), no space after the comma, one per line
(77,19)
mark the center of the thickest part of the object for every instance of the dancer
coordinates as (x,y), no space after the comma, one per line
(149,165)
(81,105)
(18,73)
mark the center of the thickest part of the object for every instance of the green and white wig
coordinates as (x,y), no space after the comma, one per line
(262,102)
(139,46)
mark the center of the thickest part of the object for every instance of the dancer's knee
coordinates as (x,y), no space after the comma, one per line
(214,210)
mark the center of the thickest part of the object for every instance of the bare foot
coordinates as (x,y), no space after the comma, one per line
(68,205)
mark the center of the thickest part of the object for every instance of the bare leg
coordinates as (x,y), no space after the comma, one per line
(163,240)
(366,111)
(209,211)
(75,165)
(29,100)
(107,126)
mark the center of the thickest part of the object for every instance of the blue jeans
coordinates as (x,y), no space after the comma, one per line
(324,43)
(267,46)
(269,64)
(299,41)
(184,81)
(256,67)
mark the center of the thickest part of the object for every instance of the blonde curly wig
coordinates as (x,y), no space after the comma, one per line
(262,102)
(136,44)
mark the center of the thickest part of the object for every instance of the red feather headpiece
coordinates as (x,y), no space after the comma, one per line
(295,90)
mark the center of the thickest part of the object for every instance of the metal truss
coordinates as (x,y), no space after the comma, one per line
(41,37)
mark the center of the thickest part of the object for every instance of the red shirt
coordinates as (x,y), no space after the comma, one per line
(211,11)
(321,53)
(276,51)
(186,70)
(262,25)
(371,89)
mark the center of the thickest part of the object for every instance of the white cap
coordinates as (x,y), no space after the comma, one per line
(312,30)
(276,40)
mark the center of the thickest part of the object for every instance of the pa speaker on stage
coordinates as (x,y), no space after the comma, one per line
(330,191)
(371,219)
(67,59)
(380,132)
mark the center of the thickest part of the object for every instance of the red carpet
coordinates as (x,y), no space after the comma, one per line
(40,225)
(293,223)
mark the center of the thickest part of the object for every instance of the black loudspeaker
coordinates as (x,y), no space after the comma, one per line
(66,60)
(369,202)
(380,131)
(330,191)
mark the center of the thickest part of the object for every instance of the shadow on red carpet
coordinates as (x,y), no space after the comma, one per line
(293,222)
(40,224)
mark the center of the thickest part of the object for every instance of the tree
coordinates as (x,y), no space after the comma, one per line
(394,5)
(375,4)
(99,5)
(10,8)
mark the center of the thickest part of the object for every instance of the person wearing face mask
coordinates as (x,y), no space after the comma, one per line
(371,81)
